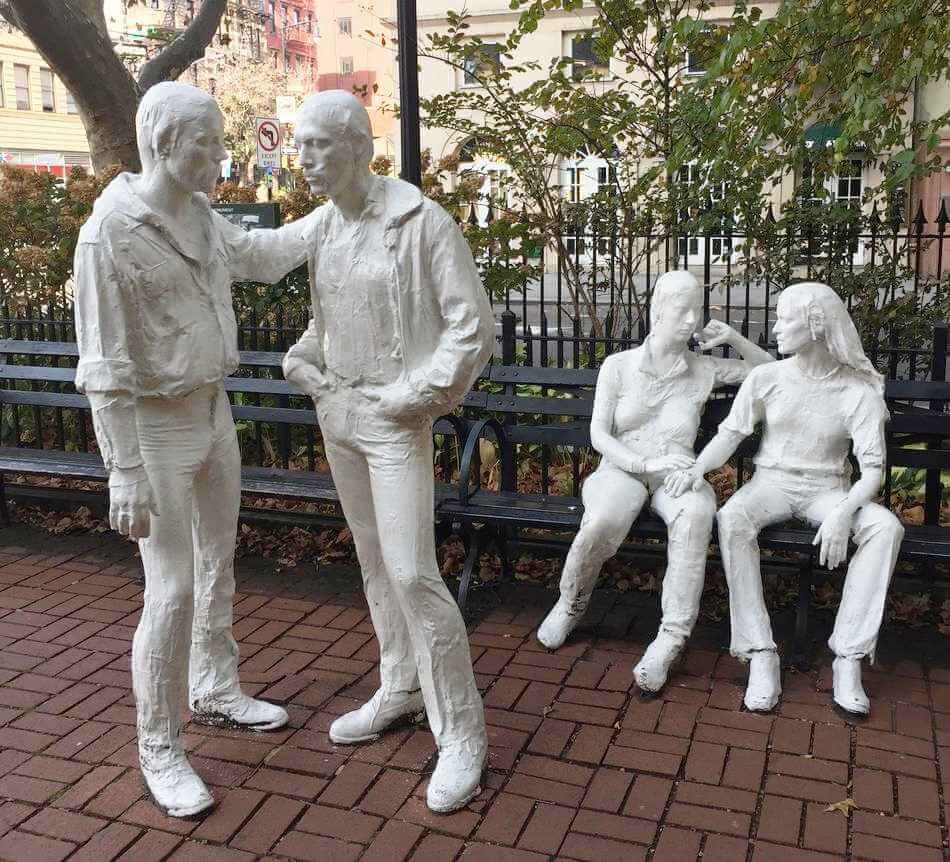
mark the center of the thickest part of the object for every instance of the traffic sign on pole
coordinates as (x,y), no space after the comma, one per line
(268,142)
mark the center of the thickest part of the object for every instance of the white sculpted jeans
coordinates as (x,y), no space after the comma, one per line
(773,496)
(193,463)
(612,500)
(383,473)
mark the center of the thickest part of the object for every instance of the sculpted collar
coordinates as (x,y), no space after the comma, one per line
(648,366)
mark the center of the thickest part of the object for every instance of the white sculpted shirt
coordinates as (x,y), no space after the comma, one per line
(353,271)
(809,422)
(154,316)
(655,414)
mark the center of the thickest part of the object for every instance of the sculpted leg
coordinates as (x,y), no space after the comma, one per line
(399,693)
(689,521)
(160,647)
(402,484)
(215,690)
(612,501)
(752,507)
(877,534)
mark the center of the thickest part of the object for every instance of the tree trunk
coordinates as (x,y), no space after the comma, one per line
(70,35)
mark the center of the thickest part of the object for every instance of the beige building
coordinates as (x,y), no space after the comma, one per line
(356,51)
(39,126)
(564,34)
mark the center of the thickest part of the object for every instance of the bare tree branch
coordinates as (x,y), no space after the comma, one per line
(190,46)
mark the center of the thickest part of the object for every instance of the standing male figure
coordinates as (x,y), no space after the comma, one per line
(401,328)
(157,336)
(647,408)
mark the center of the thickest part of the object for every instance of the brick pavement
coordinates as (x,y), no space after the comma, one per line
(580,768)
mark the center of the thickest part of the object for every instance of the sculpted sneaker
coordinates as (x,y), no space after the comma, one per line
(174,786)
(557,625)
(239,711)
(456,780)
(654,667)
(379,712)
(765,681)
(849,693)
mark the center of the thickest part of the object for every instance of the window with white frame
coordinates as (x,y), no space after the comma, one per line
(71,104)
(697,193)
(21,79)
(574,177)
(346,65)
(585,57)
(48,97)
(703,50)
(346,26)
(484,60)
(3,89)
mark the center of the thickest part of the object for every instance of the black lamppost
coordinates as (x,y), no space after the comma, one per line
(410,145)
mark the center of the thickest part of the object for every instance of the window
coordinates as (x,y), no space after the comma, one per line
(703,51)
(21,77)
(846,184)
(346,26)
(574,184)
(606,177)
(71,104)
(585,58)
(155,4)
(3,92)
(346,65)
(296,14)
(272,18)
(46,90)
(697,194)
(485,58)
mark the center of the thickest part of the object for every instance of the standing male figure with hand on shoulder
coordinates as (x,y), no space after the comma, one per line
(157,336)
(401,328)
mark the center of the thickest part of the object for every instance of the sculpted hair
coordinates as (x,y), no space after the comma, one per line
(828,319)
(677,282)
(347,116)
(164,109)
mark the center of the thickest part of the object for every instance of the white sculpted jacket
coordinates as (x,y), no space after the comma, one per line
(443,317)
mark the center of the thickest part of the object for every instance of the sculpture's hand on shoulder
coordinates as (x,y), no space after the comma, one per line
(715,334)
(833,535)
(681,481)
(131,502)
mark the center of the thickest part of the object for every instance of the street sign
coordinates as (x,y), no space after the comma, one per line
(268,142)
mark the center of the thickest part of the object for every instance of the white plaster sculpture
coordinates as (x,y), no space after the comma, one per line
(157,336)
(646,414)
(813,406)
(401,328)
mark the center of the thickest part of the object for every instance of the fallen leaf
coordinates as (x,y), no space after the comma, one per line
(844,806)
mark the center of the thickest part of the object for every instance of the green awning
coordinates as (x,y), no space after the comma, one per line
(821,134)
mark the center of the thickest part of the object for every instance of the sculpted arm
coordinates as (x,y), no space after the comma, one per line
(265,255)
(106,374)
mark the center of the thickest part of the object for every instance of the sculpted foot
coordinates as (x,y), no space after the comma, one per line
(557,625)
(849,693)
(379,712)
(654,667)
(174,786)
(239,711)
(765,681)
(456,780)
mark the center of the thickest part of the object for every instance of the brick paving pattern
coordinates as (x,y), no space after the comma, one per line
(580,767)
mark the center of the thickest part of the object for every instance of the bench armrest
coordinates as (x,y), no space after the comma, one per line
(470,454)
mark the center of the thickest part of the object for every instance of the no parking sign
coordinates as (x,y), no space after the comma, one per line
(268,142)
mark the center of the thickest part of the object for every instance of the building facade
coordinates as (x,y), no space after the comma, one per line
(40,129)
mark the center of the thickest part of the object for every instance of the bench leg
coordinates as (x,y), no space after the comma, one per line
(474,542)
(501,539)
(800,642)
(4,508)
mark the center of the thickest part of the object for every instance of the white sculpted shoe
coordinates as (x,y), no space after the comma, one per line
(557,625)
(765,681)
(174,786)
(849,693)
(654,667)
(457,778)
(379,712)
(239,711)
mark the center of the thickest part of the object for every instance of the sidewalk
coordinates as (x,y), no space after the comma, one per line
(580,768)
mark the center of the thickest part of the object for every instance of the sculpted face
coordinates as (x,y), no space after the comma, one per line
(327,157)
(791,329)
(679,318)
(194,159)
